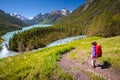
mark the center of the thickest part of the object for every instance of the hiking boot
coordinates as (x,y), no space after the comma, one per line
(93,66)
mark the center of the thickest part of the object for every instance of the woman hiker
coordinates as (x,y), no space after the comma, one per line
(93,55)
(96,52)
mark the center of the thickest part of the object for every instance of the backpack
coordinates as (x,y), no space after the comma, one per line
(98,51)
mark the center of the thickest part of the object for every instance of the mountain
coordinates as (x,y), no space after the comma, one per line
(19,16)
(49,18)
(95,17)
(9,23)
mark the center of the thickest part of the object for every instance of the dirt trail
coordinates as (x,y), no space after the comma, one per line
(79,70)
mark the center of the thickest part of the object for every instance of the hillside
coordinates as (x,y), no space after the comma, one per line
(43,64)
(9,23)
(95,17)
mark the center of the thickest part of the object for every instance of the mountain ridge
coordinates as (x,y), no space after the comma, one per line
(19,16)
(49,18)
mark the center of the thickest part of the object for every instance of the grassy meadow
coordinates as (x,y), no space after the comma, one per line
(38,65)
(42,64)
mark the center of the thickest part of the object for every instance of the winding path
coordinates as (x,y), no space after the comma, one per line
(79,70)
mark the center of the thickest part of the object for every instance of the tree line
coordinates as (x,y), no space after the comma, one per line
(39,37)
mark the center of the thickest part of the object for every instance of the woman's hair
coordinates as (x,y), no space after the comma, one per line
(94,43)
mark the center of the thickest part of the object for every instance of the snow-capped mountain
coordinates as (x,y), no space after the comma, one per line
(64,11)
(49,18)
(19,16)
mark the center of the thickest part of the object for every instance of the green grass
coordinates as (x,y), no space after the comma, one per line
(1,40)
(42,64)
(72,55)
(111,51)
(38,65)
(0,47)
(93,76)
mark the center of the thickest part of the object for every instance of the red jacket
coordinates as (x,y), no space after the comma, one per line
(98,50)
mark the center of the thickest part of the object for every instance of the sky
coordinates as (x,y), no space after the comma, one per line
(31,8)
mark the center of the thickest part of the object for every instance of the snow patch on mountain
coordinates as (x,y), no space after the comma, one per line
(20,16)
(65,11)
